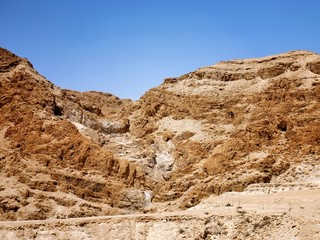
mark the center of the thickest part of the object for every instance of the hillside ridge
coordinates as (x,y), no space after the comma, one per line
(217,129)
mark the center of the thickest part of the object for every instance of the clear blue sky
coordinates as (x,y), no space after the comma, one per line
(126,47)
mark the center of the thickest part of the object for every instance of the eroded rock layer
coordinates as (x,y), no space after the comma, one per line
(217,129)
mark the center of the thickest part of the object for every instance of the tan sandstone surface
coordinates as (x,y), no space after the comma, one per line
(229,151)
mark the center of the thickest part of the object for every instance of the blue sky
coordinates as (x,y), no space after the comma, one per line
(126,47)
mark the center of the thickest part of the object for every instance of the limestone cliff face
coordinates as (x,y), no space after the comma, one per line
(43,151)
(234,123)
(217,129)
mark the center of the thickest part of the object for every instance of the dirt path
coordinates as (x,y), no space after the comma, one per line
(305,202)
(253,214)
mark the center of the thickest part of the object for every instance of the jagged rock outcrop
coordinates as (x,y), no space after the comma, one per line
(217,129)
(233,124)
(43,151)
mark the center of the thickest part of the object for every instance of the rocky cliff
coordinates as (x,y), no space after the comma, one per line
(218,129)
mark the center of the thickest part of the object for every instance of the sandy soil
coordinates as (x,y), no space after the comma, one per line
(264,211)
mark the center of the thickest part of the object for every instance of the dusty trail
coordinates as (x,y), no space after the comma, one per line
(286,213)
(226,204)
(92,219)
